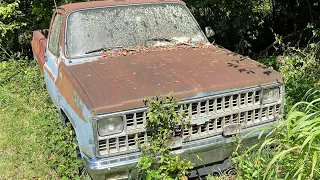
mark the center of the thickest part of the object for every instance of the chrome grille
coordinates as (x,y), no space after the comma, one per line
(123,143)
(243,107)
(225,103)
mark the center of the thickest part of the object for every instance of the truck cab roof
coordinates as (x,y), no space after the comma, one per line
(93,4)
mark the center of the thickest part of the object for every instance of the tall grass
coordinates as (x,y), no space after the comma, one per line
(291,150)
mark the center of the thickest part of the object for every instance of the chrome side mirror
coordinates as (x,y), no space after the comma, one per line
(209,31)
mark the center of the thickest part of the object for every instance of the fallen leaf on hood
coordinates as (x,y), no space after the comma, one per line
(103,54)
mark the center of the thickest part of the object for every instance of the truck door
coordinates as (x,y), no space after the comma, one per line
(53,56)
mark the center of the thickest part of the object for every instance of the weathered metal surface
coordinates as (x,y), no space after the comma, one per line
(121,83)
(232,129)
(39,45)
(72,91)
(94,4)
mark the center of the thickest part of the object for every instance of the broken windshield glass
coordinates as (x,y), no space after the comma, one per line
(128,26)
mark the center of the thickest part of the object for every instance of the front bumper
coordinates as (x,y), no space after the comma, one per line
(210,150)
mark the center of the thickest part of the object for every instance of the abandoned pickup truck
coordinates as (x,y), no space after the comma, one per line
(100,59)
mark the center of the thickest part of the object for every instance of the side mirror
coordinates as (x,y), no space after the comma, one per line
(209,31)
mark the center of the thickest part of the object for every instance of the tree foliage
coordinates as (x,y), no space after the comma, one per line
(19,18)
(249,26)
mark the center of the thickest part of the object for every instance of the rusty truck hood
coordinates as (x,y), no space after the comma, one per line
(121,83)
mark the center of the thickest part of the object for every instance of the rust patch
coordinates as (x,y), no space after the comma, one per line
(121,83)
(72,91)
(39,44)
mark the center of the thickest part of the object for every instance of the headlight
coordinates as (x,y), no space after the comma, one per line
(110,126)
(270,95)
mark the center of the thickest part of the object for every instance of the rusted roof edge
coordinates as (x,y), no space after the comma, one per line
(99,4)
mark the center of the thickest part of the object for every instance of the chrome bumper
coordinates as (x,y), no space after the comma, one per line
(210,150)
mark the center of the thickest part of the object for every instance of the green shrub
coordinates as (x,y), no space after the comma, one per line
(157,161)
(290,151)
(300,69)
(301,72)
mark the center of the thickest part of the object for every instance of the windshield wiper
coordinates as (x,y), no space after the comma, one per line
(104,49)
(192,45)
(163,39)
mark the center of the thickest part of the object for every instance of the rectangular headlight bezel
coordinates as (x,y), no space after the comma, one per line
(104,121)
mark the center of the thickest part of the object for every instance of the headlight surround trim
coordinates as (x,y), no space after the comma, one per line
(111,125)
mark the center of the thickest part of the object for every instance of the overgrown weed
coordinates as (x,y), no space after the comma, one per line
(157,161)
(293,146)
(300,69)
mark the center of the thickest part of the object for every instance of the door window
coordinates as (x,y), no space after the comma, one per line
(54,38)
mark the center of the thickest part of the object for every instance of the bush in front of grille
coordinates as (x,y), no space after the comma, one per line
(156,160)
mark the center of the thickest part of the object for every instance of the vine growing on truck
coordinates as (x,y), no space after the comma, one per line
(156,160)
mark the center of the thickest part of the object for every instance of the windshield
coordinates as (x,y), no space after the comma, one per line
(129,26)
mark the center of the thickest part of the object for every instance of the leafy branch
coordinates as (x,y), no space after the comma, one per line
(157,161)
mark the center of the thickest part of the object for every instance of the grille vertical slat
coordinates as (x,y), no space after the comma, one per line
(190,110)
(112,144)
(235,101)
(194,109)
(242,117)
(243,99)
(257,97)
(131,140)
(250,98)
(250,116)
(194,129)
(220,122)
(257,115)
(207,106)
(203,107)
(211,125)
(219,105)
(130,120)
(211,105)
(135,119)
(139,118)
(203,128)
(145,117)
(186,131)
(264,113)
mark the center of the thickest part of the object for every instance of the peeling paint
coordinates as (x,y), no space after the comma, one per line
(78,101)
